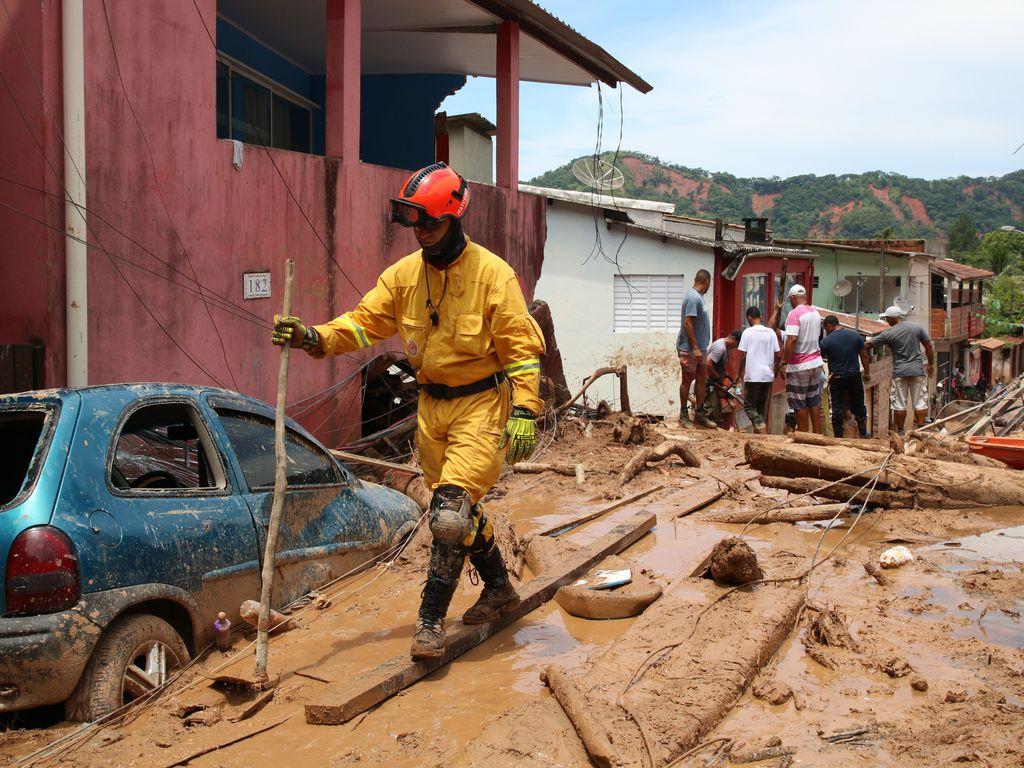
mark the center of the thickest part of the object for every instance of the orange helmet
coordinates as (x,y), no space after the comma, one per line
(429,195)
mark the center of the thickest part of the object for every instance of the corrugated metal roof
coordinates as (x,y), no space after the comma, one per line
(959,271)
(728,246)
(598,200)
(996,342)
(868,327)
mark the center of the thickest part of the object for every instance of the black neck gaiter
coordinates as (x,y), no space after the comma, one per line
(445,251)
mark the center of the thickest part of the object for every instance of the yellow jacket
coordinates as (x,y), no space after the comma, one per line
(483,324)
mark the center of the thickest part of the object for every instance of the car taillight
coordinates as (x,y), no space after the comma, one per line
(42,573)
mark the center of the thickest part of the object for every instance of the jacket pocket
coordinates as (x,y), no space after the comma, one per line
(414,338)
(469,337)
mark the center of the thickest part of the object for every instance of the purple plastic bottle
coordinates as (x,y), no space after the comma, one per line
(222,626)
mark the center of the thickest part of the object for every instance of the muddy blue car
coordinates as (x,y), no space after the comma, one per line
(130,515)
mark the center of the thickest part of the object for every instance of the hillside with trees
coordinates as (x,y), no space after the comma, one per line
(858,205)
(977,218)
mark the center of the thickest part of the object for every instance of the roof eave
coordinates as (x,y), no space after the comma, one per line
(563,39)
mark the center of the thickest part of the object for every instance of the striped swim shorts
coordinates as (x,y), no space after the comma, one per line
(803,388)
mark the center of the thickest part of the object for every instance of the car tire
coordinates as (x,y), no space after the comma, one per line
(136,653)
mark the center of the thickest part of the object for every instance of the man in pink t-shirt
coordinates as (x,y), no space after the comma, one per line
(802,361)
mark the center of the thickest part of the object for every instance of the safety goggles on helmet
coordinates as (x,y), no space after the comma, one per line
(428,196)
(411,215)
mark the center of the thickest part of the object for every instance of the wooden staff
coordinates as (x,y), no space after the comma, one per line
(280,487)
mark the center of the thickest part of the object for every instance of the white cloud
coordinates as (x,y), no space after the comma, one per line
(923,87)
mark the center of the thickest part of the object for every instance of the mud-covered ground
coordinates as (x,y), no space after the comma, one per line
(934,675)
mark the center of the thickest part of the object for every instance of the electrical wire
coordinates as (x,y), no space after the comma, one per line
(280,175)
(59,178)
(160,192)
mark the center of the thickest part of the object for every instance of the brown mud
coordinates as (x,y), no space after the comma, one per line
(951,619)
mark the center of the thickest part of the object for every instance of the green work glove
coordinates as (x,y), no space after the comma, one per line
(520,434)
(290,330)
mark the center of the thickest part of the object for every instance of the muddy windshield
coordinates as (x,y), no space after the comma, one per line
(21,435)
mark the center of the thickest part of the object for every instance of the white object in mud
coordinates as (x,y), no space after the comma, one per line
(894,557)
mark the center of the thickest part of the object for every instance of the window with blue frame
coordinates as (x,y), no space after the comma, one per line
(254,110)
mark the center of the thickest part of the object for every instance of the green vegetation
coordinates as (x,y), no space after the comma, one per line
(849,205)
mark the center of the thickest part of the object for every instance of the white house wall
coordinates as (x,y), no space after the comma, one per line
(578,284)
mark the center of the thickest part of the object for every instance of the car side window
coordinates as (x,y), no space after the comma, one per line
(252,439)
(165,446)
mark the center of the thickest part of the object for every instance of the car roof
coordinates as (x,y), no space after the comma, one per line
(140,388)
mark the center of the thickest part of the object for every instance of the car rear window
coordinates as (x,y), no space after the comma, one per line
(22,436)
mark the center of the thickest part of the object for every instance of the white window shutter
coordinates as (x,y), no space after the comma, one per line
(646,303)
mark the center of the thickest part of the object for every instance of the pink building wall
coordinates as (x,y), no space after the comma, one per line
(229,221)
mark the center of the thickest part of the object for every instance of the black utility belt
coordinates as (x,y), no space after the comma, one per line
(444,392)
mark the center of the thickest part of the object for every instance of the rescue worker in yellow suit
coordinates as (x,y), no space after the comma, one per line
(462,318)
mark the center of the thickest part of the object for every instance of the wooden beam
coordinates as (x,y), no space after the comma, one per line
(343,702)
(355,458)
(561,528)
(507,97)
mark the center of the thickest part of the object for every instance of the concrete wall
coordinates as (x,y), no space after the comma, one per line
(578,283)
(144,323)
(471,153)
(834,264)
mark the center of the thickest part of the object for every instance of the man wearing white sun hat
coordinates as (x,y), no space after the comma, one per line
(909,373)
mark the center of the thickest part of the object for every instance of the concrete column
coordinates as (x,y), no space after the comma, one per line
(508,106)
(76,250)
(344,70)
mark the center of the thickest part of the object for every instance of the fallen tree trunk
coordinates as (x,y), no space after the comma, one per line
(865,444)
(532,468)
(619,371)
(842,491)
(591,732)
(658,453)
(970,486)
(790,515)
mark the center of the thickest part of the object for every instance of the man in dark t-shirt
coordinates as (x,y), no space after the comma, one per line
(844,351)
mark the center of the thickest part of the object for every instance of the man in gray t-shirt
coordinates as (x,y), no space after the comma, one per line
(909,374)
(692,345)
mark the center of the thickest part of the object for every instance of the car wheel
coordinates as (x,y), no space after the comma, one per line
(136,654)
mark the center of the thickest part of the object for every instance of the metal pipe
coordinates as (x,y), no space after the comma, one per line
(75,244)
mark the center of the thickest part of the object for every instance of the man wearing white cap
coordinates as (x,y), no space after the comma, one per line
(802,361)
(909,382)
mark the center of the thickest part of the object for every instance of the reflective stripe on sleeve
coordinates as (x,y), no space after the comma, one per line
(524,367)
(360,333)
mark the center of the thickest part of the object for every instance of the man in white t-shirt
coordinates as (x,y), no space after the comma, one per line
(759,362)
(802,360)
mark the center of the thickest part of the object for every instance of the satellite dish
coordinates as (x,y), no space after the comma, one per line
(598,174)
(904,304)
(842,288)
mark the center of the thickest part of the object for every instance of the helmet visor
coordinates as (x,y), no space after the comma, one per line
(408,214)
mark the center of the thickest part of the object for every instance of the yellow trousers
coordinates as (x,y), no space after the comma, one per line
(459,440)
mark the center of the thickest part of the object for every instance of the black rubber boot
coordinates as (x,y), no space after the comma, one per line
(446,559)
(498,594)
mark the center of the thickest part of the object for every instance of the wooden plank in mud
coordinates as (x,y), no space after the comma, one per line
(350,698)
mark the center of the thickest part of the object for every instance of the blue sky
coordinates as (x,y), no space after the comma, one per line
(931,88)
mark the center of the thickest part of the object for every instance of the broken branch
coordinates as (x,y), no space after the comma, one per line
(658,453)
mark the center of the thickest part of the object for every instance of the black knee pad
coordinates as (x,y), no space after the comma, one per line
(450,513)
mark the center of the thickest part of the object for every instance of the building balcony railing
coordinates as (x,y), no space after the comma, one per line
(966,322)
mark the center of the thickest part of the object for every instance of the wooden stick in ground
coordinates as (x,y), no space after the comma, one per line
(658,453)
(280,487)
(791,515)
